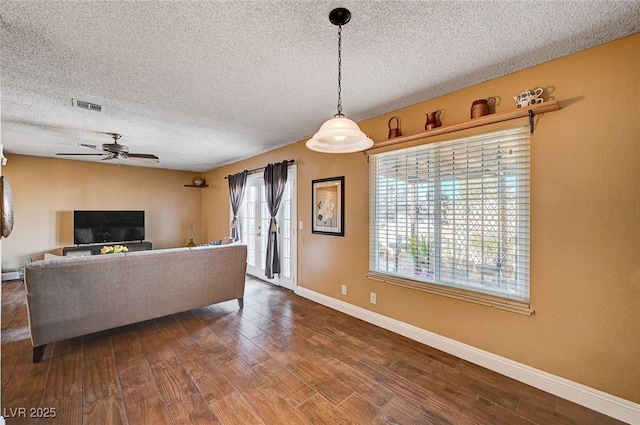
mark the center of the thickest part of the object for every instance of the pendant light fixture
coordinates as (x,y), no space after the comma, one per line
(339,134)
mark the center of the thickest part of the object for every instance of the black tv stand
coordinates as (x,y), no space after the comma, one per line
(94,249)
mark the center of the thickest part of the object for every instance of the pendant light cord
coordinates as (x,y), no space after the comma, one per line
(339,114)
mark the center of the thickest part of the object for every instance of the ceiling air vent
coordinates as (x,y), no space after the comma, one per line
(86,105)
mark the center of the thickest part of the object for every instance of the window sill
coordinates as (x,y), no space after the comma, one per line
(505,304)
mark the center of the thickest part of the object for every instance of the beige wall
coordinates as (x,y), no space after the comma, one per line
(585,231)
(46,191)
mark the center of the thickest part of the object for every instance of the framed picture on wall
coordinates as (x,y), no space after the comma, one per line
(327,206)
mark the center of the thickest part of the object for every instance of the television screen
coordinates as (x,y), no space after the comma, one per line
(107,226)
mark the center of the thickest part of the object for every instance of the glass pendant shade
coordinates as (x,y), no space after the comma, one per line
(339,135)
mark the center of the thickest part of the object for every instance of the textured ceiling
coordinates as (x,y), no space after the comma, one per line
(203,84)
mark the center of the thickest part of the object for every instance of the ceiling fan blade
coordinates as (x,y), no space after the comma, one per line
(108,158)
(81,154)
(89,146)
(144,157)
(114,135)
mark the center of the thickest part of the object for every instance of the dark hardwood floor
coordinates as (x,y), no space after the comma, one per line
(281,360)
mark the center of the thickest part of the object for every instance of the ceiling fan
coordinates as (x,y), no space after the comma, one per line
(115,151)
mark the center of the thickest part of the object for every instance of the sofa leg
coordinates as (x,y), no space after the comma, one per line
(241,303)
(38,353)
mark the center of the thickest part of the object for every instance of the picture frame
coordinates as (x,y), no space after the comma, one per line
(327,206)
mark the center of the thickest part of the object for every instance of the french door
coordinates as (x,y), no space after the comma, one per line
(254,227)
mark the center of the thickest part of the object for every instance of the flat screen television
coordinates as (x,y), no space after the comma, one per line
(107,226)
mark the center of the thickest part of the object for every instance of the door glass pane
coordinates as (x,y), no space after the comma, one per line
(266,216)
(248,223)
(285,229)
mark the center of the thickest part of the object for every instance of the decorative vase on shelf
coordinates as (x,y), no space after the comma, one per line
(191,243)
(433,120)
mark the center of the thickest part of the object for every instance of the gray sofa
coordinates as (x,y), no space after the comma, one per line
(76,296)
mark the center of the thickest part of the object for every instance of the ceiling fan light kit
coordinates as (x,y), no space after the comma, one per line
(339,134)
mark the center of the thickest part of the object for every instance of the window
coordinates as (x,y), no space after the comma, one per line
(452,217)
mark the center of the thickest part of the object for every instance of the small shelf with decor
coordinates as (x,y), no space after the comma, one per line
(511,114)
(198,182)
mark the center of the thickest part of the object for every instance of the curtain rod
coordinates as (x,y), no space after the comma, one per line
(255,170)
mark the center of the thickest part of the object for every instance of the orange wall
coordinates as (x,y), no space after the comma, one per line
(585,232)
(46,191)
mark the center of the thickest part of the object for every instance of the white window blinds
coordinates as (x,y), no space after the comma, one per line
(453,217)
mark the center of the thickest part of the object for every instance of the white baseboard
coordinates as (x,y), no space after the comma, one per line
(607,404)
(10,276)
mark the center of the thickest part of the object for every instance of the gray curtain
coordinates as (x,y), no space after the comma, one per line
(237,183)
(275,179)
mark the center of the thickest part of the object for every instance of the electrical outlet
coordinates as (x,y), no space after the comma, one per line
(344,289)
(372,297)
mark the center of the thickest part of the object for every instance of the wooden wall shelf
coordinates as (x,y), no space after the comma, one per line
(476,122)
